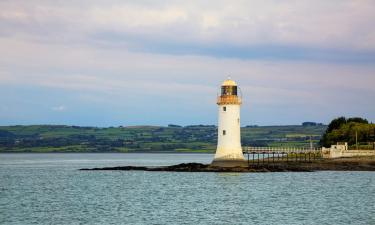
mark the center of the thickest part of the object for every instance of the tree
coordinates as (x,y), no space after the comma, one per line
(347,130)
(309,124)
(336,124)
(357,120)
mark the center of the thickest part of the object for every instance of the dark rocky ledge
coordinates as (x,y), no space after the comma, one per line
(198,167)
(342,164)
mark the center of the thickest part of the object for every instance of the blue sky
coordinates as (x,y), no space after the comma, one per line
(111,63)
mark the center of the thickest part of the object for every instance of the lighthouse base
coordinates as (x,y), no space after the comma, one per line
(229,157)
(229,163)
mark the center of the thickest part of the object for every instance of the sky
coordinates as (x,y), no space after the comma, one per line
(120,63)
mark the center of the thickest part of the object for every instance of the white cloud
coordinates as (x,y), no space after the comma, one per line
(56,46)
(59,108)
(118,72)
(126,16)
(336,23)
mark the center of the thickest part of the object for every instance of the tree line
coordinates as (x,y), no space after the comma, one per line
(351,130)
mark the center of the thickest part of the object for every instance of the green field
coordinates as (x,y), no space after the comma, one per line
(197,138)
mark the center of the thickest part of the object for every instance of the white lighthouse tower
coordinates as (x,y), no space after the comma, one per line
(229,150)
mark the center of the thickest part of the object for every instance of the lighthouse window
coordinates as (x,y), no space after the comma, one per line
(224,132)
(229,90)
(224,108)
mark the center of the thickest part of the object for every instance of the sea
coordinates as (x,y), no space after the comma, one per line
(50,189)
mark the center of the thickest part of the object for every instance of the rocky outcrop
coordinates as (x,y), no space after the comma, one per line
(347,164)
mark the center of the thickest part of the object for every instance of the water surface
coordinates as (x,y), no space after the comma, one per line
(48,189)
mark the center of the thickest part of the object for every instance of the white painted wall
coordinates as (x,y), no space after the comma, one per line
(229,145)
(341,150)
(341,153)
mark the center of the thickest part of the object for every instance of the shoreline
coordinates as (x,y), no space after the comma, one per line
(339,164)
(142,152)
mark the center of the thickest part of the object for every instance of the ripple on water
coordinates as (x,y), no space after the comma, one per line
(56,193)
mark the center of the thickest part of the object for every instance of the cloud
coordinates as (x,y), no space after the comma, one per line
(289,57)
(120,73)
(59,108)
(125,16)
(212,26)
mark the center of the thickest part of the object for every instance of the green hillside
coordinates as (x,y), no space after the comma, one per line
(197,138)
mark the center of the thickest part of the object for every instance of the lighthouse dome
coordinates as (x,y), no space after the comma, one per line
(229,82)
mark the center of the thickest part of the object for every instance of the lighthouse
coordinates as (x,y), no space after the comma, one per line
(229,150)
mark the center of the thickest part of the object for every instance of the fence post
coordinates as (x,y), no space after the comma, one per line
(248,158)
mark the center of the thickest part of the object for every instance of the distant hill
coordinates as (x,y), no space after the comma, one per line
(174,138)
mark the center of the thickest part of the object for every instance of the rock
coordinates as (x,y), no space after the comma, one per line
(348,164)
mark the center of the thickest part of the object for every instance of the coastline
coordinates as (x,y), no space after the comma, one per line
(110,152)
(340,164)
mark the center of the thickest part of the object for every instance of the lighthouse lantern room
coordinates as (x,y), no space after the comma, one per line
(229,150)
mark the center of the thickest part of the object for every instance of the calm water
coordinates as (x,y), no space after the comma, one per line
(48,189)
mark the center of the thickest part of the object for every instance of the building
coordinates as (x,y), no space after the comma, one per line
(340,150)
(229,150)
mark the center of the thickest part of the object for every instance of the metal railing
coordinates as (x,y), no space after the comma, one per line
(273,155)
(228,99)
(281,150)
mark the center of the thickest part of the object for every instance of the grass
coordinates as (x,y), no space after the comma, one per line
(52,138)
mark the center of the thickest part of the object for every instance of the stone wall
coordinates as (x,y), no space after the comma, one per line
(339,151)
